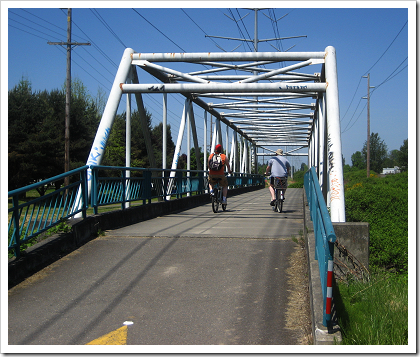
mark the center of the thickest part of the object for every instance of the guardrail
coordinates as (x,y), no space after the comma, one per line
(324,239)
(110,185)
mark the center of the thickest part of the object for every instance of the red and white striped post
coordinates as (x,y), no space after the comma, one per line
(329,289)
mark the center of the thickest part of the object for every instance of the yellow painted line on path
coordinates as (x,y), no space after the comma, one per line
(116,337)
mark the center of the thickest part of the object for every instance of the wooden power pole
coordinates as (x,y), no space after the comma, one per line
(368,126)
(68,45)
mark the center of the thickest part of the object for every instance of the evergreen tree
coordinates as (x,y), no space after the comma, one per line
(402,160)
(358,161)
(36,132)
(378,152)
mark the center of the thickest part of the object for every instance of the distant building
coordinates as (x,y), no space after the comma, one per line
(391,170)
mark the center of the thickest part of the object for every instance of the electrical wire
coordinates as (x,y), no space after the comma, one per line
(217,45)
(158,30)
(386,49)
(101,19)
(371,68)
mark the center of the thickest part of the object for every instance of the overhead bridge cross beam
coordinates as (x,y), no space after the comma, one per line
(259,93)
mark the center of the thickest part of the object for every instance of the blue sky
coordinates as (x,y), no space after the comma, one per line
(370,39)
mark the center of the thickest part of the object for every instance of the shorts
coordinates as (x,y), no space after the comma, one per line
(223,182)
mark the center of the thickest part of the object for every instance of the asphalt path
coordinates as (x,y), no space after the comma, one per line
(189,278)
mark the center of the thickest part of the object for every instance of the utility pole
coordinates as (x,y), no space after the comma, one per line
(368,126)
(69,45)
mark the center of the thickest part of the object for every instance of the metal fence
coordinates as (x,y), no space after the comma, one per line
(324,238)
(110,185)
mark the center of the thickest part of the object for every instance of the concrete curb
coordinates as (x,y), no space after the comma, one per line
(321,334)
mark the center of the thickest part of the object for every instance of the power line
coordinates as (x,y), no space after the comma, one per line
(101,19)
(217,45)
(158,30)
(389,77)
(20,23)
(25,18)
(385,50)
(371,68)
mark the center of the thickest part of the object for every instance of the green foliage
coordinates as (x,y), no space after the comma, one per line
(374,312)
(62,227)
(298,178)
(358,161)
(402,156)
(115,149)
(378,152)
(383,203)
(36,132)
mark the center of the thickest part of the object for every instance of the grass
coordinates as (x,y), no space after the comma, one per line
(374,312)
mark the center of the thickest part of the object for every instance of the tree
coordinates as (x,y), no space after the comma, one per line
(378,152)
(392,158)
(157,143)
(358,161)
(402,157)
(115,150)
(31,146)
(36,132)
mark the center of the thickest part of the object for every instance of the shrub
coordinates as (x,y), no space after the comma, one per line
(383,202)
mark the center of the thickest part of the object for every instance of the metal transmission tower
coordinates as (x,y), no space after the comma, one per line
(255,42)
(69,45)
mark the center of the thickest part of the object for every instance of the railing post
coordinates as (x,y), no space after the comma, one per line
(94,189)
(178,177)
(16,232)
(123,189)
(200,182)
(85,205)
(147,186)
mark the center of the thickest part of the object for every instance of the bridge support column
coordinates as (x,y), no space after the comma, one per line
(335,162)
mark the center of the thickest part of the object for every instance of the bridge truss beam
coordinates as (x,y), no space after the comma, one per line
(265,100)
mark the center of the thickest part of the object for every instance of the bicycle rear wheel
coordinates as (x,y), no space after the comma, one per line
(279,202)
(215,201)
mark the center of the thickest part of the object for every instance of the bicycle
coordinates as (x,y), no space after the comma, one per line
(280,185)
(217,196)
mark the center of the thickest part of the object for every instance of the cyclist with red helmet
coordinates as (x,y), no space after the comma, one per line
(219,173)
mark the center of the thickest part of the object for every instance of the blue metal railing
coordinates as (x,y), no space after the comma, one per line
(109,185)
(31,218)
(324,238)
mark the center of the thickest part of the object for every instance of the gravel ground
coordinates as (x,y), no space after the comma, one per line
(298,313)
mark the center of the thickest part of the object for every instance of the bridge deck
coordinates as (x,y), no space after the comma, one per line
(191,278)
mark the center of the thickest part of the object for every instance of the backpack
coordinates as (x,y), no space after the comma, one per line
(215,162)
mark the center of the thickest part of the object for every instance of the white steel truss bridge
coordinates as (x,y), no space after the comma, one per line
(266,100)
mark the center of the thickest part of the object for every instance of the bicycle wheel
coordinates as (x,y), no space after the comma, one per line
(215,202)
(280,202)
(275,201)
(221,199)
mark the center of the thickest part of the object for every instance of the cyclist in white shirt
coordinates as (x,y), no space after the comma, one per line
(278,166)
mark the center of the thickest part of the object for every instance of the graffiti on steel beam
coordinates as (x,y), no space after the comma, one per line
(97,152)
(296,87)
(156,88)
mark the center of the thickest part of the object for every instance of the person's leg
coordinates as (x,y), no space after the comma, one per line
(224,184)
(273,194)
(210,185)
